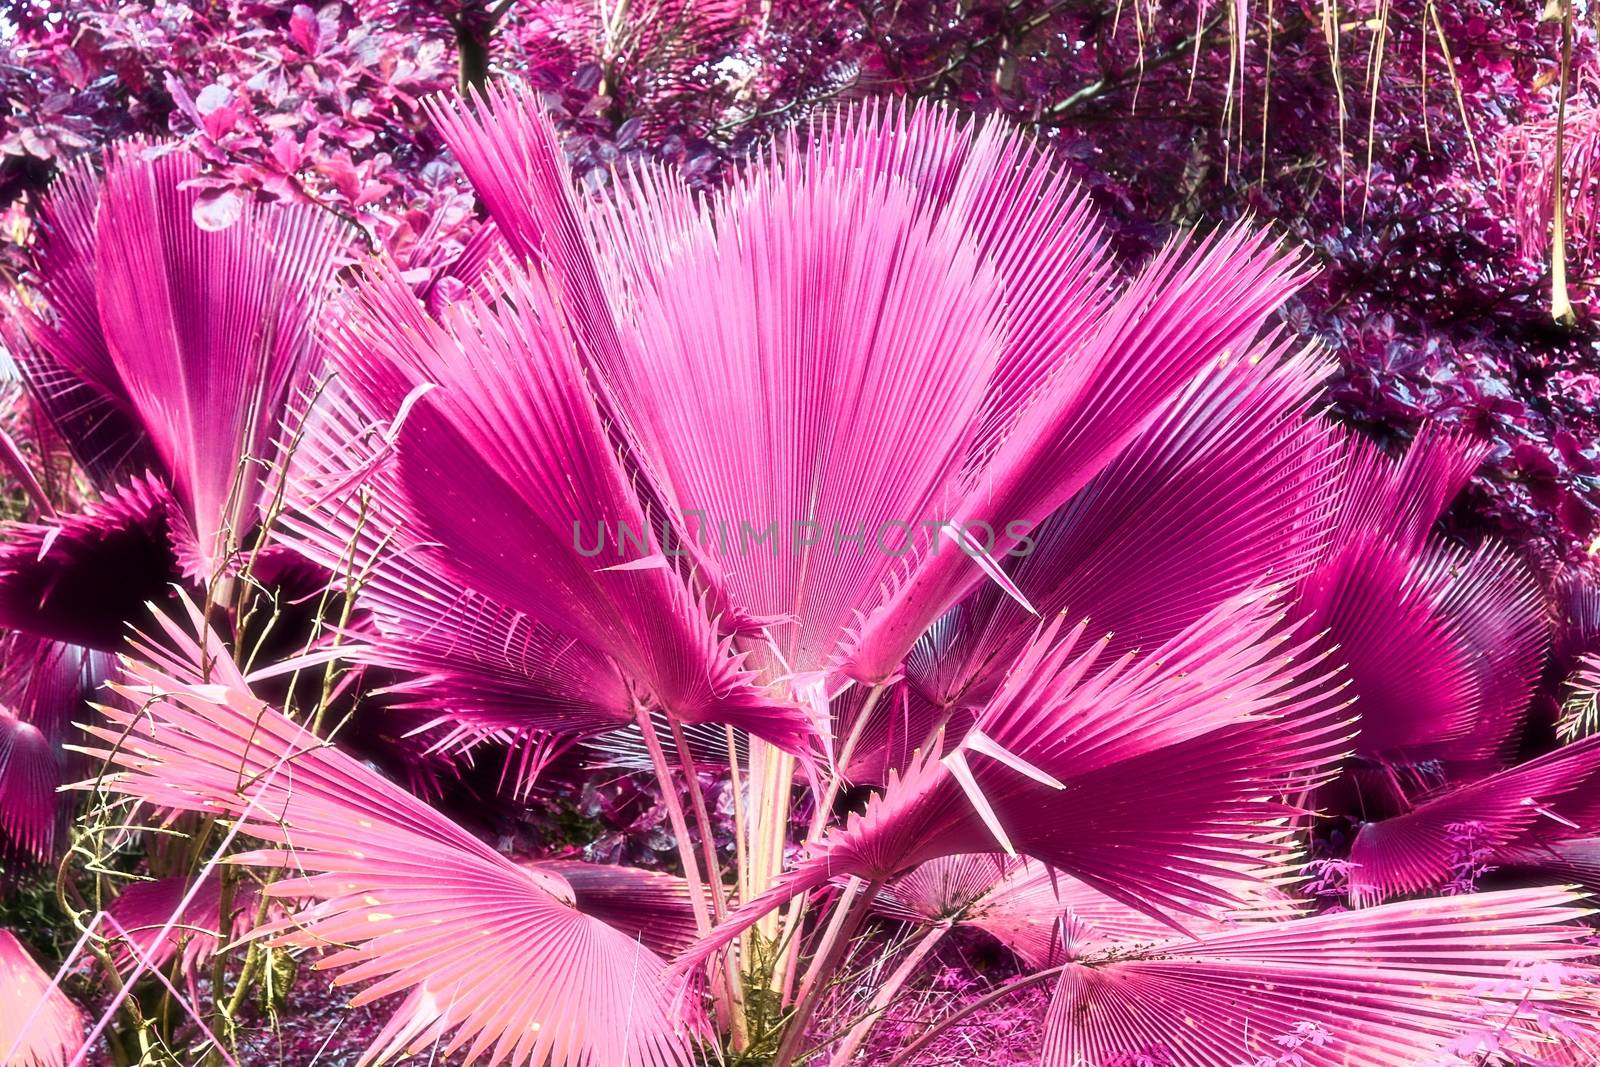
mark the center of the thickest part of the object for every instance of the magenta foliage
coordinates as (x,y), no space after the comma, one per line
(1179,751)
(1044,917)
(1101,556)
(164,354)
(307,103)
(191,340)
(1430,294)
(81,578)
(1448,673)
(1519,816)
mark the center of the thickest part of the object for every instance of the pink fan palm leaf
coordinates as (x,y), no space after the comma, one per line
(1020,213)
(808,381)
(651,906)
(1019,902)
(1405,497)
(1443,645)
(773,436)
(1510,817)
(142,912)
(484,666)
(516,164)
(1231,487)
(472,659)
(1196,302)
(209,330)
(1565,859)
(881,389)
(1576,596)
(515,972)
(1394,984)
(39,1026)
(29,775)
(1148,778)
(41,693)
(744,420)
(903,720)
(166,356)
(502,472)
(1044,916)
(67,365)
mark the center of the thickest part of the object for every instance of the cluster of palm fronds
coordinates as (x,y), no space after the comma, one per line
(1006,597)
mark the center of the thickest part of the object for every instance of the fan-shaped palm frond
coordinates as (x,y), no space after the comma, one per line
(1230,486)
(1125,374)
(1046,917)
(404,897)
(742,419)
(67,365)
(165,355)
(41,693)
(1443,645)
(1148,778)
(501,472)
(1394,984)
(650,905)
(472,659)
(209,330)
(1509,817)
(152,922)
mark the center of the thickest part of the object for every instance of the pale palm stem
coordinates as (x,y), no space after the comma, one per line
(795,914)
(771,780)
(848,914)
(726,985)
(680,824)
(741,857)
(708,848)
(1560,300)
(741,848)
(702,818)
